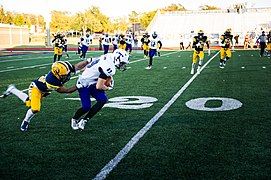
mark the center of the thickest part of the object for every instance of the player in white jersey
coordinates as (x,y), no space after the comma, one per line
(85,42)
(106,42)
(155,45)
(129,41)
(93,82)
(115,42)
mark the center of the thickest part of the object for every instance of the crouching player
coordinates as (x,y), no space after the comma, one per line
(56,78)
(94,81)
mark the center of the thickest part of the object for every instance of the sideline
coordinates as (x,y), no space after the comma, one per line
(126,149)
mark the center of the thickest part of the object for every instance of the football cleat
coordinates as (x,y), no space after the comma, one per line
(221,66)
(82,123)
(149,67)
(8,91)
(74,124)
(24,126)
(192,71)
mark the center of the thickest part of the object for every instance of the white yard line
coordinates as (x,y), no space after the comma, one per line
(34,66)
(30,67)
(114,162)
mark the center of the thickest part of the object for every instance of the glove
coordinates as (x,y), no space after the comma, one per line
(78,85)
(89,60)
(209,52)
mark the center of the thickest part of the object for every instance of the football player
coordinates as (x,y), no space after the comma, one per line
(122,43)
(85,41)
(198,44)
(60,73)
(155,45)
(92,82)
(145,44)
(129,41)
(225,50)
(106,42)
(58,46)
(65,48)
(115,41)
(269,43)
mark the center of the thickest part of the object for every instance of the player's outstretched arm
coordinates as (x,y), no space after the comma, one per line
(63,89)
(81,64)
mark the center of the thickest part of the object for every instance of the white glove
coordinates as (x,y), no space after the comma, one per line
(89,60)
(78,85)
(209,52)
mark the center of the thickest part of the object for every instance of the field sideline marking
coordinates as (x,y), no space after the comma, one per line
(34,66)
(114,162)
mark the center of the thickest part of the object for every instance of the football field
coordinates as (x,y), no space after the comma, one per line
(162,123)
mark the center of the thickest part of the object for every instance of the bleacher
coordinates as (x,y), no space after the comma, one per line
(171,25)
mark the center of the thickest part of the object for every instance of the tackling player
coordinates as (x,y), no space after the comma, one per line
(43,86)
(93,82)
(198,45)
(155,45)
(225,51)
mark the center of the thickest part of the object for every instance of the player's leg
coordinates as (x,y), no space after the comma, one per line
(84,94)
(201,57)
(222,56)
(194,62)
(35,97)
(55,53)
(13,90)
(101,99)
(152,52)
(228,56)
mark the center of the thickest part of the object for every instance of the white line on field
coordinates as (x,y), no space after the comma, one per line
(34,66)
(114,162)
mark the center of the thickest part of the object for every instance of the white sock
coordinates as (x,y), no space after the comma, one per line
(200,62)
(21,95)
(29,115)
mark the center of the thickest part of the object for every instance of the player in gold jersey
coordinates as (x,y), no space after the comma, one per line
(225,50)
(198,44)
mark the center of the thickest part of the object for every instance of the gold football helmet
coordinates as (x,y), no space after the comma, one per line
(62,70)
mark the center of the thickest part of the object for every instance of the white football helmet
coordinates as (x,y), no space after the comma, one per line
(121,59)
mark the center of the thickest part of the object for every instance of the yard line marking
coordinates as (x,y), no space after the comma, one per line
(154,57)
(34,66)
(114,162)
(24,59)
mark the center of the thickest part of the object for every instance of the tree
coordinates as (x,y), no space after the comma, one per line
(120,25)
(146,18)
(208,7)
(60,21)
(2,14)
(174,7)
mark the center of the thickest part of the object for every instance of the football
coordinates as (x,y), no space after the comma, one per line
(108,81)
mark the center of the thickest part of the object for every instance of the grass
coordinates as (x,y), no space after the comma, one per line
(183,144)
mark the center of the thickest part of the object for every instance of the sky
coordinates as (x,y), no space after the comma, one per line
(115,8)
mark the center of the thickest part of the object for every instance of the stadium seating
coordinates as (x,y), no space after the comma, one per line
(170,25)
